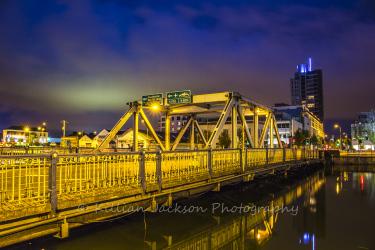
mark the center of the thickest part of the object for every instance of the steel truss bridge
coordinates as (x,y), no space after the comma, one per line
(216,105)
(49,193)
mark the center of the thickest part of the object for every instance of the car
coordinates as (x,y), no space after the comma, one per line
(184,95)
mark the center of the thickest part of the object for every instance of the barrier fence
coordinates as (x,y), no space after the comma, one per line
(49,150)
(48,183)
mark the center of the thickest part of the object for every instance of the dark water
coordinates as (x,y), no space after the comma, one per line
(326,210)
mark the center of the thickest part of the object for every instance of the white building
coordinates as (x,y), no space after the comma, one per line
(177,122)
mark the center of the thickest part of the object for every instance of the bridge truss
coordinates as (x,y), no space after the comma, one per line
(216,105)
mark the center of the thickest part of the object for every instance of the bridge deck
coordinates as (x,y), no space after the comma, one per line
(37,188)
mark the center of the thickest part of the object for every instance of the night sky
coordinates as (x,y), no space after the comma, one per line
(82,61)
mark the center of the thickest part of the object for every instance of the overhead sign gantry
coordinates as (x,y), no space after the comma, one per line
(215,105)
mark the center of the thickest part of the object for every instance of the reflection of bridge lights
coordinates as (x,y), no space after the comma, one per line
(306,238)
(362,182)
(313,241)
(337,188)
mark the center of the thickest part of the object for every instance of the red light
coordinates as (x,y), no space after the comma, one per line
(362,182)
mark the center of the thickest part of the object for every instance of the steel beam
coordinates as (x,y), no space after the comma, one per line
(167,131)
(244,125)
(271,132)
(150,128)
(135,130)
(277,132)
(265,128)
(220,124)
(116,128)
(182,132)
(200,132)
(256,123)
(192,136)
(234,126)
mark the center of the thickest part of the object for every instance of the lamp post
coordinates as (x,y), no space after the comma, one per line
(337,126)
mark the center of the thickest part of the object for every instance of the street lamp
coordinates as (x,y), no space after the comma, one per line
(337,126)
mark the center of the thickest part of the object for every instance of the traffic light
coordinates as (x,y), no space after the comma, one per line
(338,144)
(307,141)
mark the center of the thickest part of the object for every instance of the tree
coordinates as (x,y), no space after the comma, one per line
(314,140)
(301,136)
(224,140)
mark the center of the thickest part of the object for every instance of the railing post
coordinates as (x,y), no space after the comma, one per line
(142,171)
(77,150)
(267,156)
(241,161)
(52,175)
(245,159)
(209,162)
(284,152)
(26,149)
(158,170)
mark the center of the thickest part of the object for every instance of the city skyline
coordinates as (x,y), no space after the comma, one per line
(83,61)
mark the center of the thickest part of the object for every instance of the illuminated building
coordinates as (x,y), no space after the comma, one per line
(24,135)
(307,89)
(177,122)
(303,115)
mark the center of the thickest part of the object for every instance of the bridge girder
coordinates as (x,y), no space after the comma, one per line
(214,105)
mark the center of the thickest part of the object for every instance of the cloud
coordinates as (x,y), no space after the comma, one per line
(90,57)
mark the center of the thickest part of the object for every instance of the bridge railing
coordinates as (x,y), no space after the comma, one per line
(37,184)
(48,150)
(24,184)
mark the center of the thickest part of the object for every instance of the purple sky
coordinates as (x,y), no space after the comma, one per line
(82,61)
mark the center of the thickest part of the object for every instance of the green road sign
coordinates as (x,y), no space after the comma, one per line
(151,100)
(179,97)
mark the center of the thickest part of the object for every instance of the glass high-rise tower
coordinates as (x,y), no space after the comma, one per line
(307,89)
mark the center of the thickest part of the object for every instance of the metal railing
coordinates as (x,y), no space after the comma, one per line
(53,182)
(48,150)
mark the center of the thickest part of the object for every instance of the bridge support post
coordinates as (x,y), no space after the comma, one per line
(255,127)
(209,162)
(64,230)
(234,127)
(267,156)
(271,132)
(192,135)
(52,184)
(135,130)
(284,152)
(142,171)
(158,170)
(167,131)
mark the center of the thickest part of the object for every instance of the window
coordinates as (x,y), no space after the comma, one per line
(172,118)
(310,105)
(172,123)
(179,123)
(163,119)
(172,129)
(178,118)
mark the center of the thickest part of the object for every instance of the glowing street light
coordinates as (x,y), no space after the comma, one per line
(155,107)
(337,126)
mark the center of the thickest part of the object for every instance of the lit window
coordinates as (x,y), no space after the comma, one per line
(179,123)
(172,129)
(311,105)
